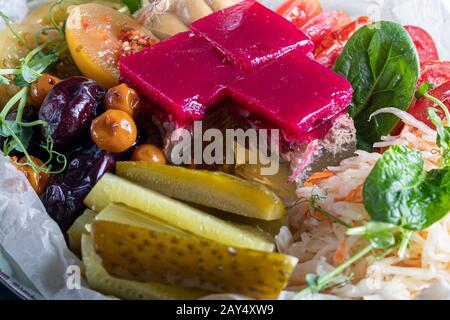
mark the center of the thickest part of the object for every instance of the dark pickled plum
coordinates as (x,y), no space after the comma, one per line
(64,196)
(70,108)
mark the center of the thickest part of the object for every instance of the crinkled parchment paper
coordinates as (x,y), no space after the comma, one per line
(31,241)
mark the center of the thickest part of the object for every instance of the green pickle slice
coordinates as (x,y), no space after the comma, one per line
(99,280)
(210,189)
(113,189)
(135,247)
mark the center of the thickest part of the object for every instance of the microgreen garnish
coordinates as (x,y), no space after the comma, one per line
(442,129)
(314,205)
(17,133)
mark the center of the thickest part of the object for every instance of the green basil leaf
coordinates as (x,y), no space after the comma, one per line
(29,75)
(382,64)
(400,192)
(32,71)
(43,63)
(133,5)
(20,81)
(24,134)
(424,88)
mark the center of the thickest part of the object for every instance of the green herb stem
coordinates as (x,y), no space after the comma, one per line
(439,103)
(324,281)
(404,244)
(18,37)
(22,104)
(10,71)
(331,216)
(12,102)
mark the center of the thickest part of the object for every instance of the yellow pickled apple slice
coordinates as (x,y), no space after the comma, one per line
(99,280)
(93,34)
(210,189)
(113,189)
(78,228)
(150,254)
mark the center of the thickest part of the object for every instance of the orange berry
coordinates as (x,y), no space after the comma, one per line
(149,153)
(40,89)
(114,131)
(123,98)
(38,180)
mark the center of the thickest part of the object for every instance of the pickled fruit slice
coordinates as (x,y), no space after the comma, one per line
(113,189)
(78,229)
(251,35)
(144,254)
(211,189)
(99,280)
(184,74)
(93,33)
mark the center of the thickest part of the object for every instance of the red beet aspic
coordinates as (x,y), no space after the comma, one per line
(251,35)
(189,73)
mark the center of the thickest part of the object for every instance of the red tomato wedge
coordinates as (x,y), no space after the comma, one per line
(331,47)
(420,108)
(426,47)
(324,24)
(435,72)
(300,11)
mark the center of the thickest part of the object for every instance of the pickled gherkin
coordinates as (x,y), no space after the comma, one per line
(210,189)
(112,189)
(78,228)
(99,280)
(142,249)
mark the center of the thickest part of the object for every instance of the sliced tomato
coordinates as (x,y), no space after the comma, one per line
(331,47)
(324,24)
(300,11)
(426,47)
(435,72)
(420,109)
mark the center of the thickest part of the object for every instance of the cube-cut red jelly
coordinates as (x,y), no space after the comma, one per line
(294,92)
(184,74)
(250,34)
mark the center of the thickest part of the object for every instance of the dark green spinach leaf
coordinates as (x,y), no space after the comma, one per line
(382,64)
(400,192)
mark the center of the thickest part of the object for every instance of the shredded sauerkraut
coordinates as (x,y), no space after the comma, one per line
(321,244)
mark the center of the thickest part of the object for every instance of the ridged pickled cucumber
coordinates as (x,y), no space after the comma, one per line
(211,189)
(113,189)
(151,255)
(99,280)
(78,228)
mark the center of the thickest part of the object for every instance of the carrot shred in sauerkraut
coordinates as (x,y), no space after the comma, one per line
(317,177)
(321,243)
